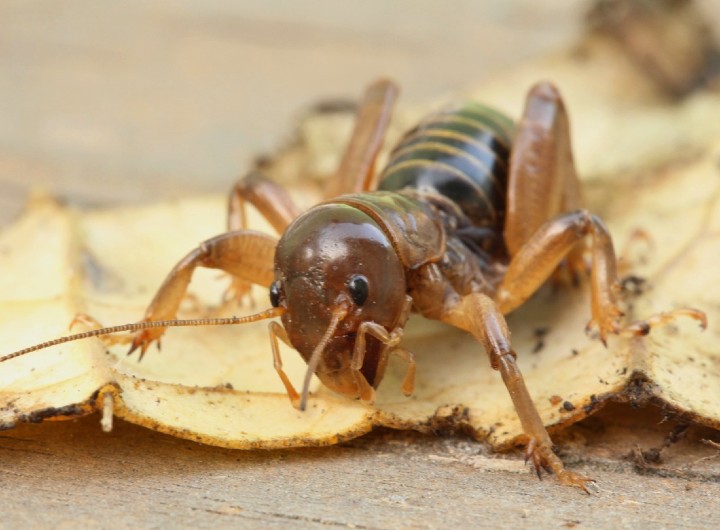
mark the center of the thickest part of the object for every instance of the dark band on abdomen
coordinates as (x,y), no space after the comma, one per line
(462,154)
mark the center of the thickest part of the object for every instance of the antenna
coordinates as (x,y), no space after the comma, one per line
(268,313)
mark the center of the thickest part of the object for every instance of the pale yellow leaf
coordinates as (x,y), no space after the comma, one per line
(648,164)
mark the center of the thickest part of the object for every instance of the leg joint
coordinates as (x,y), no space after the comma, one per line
(499,357)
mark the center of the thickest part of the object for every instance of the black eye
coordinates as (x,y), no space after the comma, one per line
(359,289)
(275,293)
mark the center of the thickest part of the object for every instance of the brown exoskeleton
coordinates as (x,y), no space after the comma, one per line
(471,215)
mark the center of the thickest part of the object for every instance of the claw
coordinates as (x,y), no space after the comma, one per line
(543,457)
(568,478)
(608,322)
(143,339)
(643,327)
(529,449)
(134,346)
(537,469)
(531,452)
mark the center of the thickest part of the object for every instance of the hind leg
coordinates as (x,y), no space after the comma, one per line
(545,226)
(542,182)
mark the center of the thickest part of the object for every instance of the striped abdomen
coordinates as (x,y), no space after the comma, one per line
(461,154)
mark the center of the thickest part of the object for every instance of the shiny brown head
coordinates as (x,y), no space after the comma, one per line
(335,260)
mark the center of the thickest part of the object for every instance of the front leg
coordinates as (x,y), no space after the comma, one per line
(278,332)
(390,340)
(244,254)
(478,314)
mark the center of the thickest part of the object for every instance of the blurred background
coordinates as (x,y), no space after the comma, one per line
(105,103)
(111,102)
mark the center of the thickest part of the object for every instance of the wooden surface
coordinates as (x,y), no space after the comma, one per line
(133,101)
(70,475)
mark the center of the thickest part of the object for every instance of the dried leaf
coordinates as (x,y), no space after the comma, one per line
(651,165)
(106,264)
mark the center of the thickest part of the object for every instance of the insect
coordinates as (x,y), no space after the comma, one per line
(470,216)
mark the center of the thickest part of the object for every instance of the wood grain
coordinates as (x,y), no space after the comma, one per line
(71,475)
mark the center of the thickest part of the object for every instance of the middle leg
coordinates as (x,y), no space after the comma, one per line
(549,245)
(356,172)
(272,201)
(269,198)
